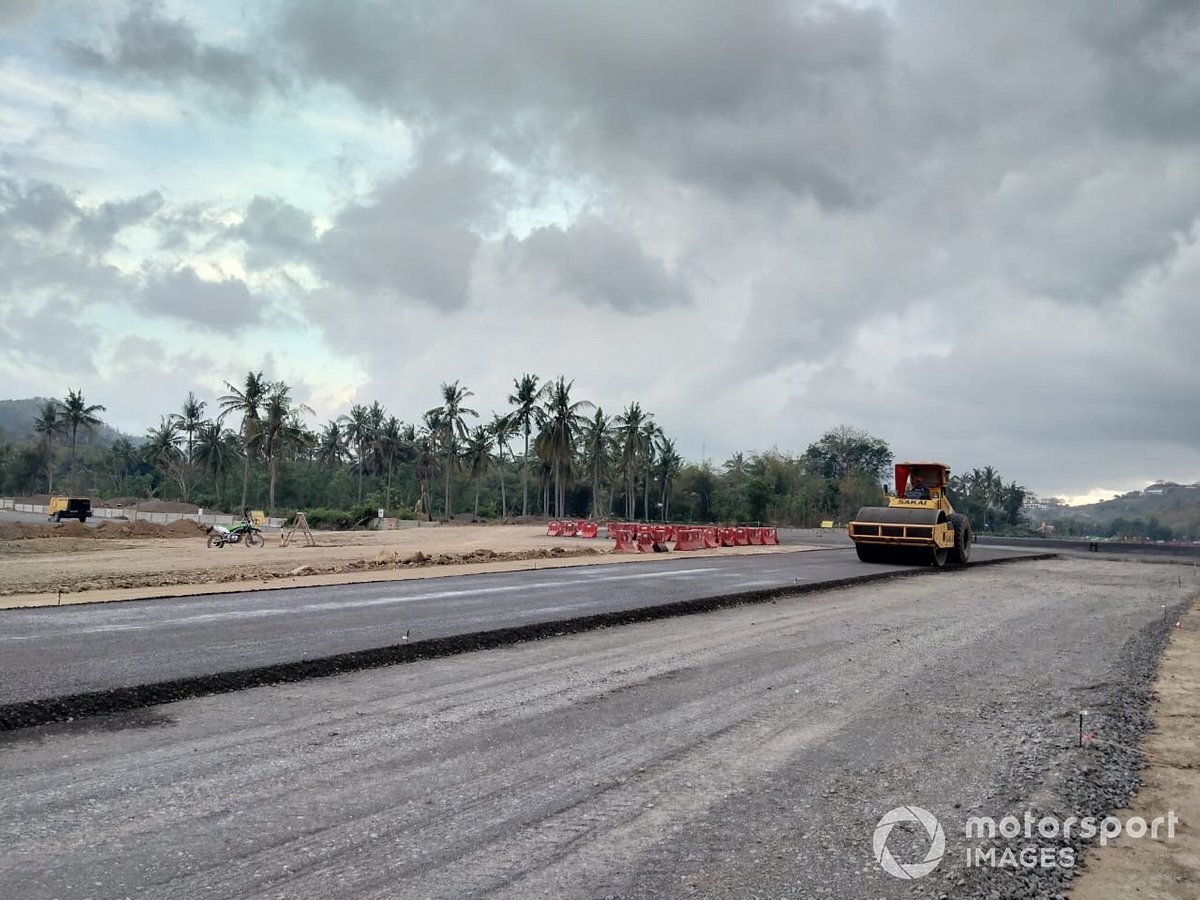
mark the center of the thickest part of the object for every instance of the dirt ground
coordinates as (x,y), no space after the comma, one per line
(1162,869)
(70,563)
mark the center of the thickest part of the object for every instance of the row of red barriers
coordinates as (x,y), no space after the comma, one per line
(579,528)
(647,538)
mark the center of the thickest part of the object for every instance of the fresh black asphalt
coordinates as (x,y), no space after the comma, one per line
(50,652)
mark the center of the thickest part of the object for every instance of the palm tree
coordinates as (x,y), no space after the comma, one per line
(504,428)
(597,438)
(215,447)
(331,445)
(452,428)
(425,457)
(479,458)
(161,450)
(76,412)
(391,439)
(360,433)
(246,402)
(629,435)
(561,423)
(525,416)
(669,466)
(282,429)
(48,424)
(122,462)
(649,433)
(189,420)
(375,419)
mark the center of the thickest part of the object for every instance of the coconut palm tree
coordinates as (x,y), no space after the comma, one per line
(597,439)
(282,429)
(561,423)
(189,420)
(375,419)
(215,448)
(391,439)
(629,435)
(504,428)
(161,450)
(669,466)
(649,433)
(425,457)
(359,432)
(247,402)
(75,413)
(525,416)
(479,459)
(122,461)
(452,429)
(331,445)
(49,423)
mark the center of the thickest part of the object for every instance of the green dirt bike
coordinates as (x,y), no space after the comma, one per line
(244,531)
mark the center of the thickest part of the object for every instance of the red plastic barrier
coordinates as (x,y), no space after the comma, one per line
(771,536)
(626,541)
(755,536)
(689,539)
(672,532)
(711,539)
(645,540)
(740,538)
(588,529)
(728,539)
(568,529)
(554,529)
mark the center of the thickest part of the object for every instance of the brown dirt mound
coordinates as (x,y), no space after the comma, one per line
(182,528)
(23,531)
(129,503)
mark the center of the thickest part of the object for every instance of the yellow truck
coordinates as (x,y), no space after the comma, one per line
(70,508)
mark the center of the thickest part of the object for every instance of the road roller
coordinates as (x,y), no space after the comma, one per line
(918,526)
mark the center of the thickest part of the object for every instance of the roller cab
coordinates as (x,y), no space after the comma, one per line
(918,526)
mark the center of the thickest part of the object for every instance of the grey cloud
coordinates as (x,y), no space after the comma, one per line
(729,95)
(38,205)
(18,12)
(31,326)
(417,238)
(146,43)
(1152,64)
(275,231)
(99,227)
(222,306)
(601,265)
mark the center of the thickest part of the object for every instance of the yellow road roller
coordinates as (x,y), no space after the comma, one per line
(918,526)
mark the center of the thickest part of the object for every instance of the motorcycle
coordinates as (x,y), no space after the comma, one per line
(244,531)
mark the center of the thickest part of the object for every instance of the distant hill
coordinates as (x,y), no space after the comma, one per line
(17,418)
(1175,506)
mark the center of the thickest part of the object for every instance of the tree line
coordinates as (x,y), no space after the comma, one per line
(549,453)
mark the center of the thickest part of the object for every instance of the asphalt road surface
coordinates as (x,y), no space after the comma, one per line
(56,651)
(748,752)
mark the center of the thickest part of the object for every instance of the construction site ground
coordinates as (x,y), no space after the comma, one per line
(69,562)
(721,831)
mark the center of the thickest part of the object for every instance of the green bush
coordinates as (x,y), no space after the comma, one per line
(338,519)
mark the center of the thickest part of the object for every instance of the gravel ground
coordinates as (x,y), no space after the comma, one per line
(745,753)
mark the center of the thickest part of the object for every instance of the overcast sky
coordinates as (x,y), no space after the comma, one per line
(970,229)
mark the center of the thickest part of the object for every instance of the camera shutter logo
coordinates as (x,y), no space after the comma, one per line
(937,839)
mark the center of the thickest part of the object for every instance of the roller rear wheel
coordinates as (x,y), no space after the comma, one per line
(961,553)
(938,557)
